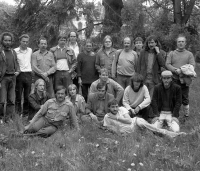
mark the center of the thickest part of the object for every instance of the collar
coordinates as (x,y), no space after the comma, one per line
(111,50)
(107,82)
(65,47)
(75,45)
(43,53)
(69,98)
(101,98)
(180,50)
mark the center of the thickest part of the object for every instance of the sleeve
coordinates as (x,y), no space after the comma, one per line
(118,89)
(82,106)
(147,99)
(169,62)
(114,64)
(88,108)
(192,60)
(73,62)
(126,101)
(154,102)
(161,59)
(97,62)
(34,64)
(79,66)
(93,88)
(178,102)
(106,121)
(53,66)
(16,62)
(73,118)
(33,103)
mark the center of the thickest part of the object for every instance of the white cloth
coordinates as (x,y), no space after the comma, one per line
(62,65)
(188,70)
(75,48)
(24,59)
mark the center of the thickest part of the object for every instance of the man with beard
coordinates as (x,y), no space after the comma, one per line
(175,60)
(136,97)
(166,103)
(9,70)
(150,63)
(52,115)
(97,105)
(119,122)
(26,77)
(44,65)
(125,63)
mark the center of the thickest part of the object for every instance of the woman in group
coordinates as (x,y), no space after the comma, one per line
(105,55)
(37,98)
(86,71)
(77,100)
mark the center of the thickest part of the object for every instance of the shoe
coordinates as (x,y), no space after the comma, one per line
(186,110)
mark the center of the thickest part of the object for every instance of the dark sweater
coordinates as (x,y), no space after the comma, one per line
(10,65)
(86,68)
(175,99)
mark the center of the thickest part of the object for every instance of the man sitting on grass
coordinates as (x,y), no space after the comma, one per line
(52,115)
(166,102)
(119,121)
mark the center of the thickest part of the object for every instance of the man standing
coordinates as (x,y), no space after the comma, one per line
(97,103)
(52,115)
(136,97)
(112,87)
(25,78)
(150,62)
(166,102)
(125,63)
(9,70)
(175,60)
(44,65)
(65,63)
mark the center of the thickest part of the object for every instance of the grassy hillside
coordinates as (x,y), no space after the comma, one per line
(97,150)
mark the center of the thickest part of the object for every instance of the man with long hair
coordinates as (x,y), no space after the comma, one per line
(151,62)
(136,97)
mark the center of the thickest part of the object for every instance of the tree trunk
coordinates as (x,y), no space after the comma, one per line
(112,20)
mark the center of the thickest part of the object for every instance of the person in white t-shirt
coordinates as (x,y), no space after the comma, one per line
(25,78)
(119,121)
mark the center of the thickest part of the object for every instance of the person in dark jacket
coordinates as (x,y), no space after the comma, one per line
(37,98)
(9,70)
(151,62)
(166,102)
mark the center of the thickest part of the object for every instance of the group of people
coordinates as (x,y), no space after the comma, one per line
(120,89)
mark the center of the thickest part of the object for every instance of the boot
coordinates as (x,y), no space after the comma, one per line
(186,110)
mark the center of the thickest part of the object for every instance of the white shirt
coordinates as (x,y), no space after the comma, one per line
(24,59)
(117,125)
(75,48)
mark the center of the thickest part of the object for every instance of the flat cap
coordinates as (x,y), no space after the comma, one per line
(166,73)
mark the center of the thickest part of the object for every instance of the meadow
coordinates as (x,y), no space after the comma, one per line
(95,149)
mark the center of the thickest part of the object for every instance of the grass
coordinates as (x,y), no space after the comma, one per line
(97,150)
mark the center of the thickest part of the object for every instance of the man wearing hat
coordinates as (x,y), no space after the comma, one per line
(166,102)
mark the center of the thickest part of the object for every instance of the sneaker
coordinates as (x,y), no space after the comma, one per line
(186,110)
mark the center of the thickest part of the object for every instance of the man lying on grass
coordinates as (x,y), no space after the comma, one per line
(120,122)
(52,115)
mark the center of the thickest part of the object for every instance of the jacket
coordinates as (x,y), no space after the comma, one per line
(158,64)
(70,56)
(175,98)
(3,63)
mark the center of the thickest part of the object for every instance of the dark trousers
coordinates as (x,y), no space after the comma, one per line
(23,86)
(85,88)
(63,78)
(185,92)
(123,80)
(7,96)
(144,113)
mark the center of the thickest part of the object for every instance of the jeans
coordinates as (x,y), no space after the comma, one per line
(185,92)
(7,96)
(123,80)
(44,127)
(23,85)
(63,78)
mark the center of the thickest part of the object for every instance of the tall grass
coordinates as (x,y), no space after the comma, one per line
(94,149)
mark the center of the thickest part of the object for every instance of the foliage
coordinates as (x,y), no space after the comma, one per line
(98,150)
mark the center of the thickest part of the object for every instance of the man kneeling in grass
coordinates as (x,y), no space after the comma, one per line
(119,121)
(52,115)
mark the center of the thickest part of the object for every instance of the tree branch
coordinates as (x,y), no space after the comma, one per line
(87,27)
